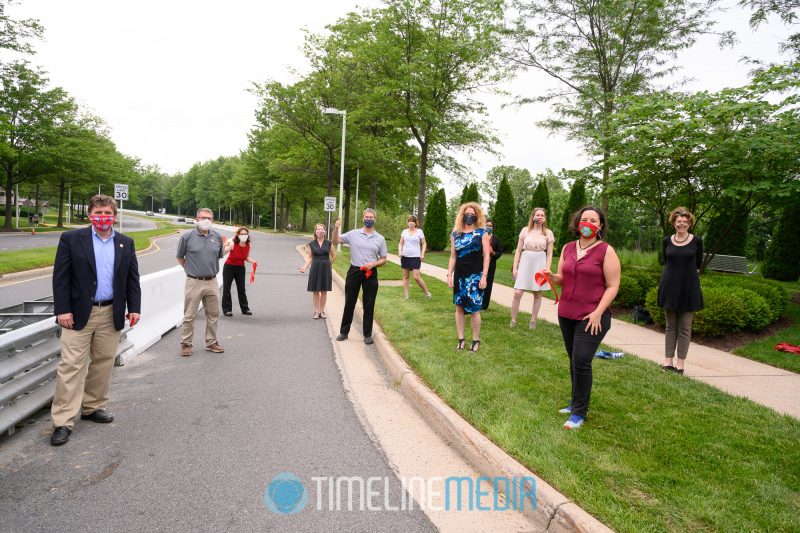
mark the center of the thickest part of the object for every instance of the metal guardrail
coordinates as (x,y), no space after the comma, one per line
(25,314)
(28,360)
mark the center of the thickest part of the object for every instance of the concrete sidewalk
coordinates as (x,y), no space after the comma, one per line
(773,387)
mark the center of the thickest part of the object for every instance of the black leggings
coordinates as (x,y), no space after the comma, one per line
(229,274)
(356,280)
(581,347)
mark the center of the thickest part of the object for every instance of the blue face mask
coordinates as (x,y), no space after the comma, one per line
(368,222)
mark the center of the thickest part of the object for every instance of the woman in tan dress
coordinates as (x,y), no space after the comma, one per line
(534,253)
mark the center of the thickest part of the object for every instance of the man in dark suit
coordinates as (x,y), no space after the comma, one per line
(95,277)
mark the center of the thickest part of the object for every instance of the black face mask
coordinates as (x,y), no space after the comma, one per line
(470,219)
(368,222)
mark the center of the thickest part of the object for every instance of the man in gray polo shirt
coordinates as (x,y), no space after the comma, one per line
(199,252)
(367,253)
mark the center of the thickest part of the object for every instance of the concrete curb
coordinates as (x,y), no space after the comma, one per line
(554,511)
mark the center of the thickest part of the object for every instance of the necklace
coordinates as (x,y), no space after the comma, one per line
(582,250)
(675,238)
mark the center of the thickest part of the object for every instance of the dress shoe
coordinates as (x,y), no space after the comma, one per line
(60,435)
(368,340)
(99,416)
(216,348)
(247,312)
(341,337)
(186,350)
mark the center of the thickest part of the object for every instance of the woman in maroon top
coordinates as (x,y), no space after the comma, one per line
(588,272)
(233,269)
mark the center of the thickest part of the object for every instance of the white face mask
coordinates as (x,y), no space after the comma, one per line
(204,224)
(243,238)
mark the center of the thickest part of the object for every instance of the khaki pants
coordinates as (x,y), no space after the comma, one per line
(83,377)
(678,333)
(206,291)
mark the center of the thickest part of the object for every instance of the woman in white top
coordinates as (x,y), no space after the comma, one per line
(412,251)
(534,253)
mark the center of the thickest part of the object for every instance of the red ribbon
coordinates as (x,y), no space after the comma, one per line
(253,274)
(786,347)
(367,272)
(541,278)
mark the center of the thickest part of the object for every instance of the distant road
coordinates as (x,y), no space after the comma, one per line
(26,241)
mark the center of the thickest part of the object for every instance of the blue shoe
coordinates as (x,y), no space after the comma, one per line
(574,422)
(566,410)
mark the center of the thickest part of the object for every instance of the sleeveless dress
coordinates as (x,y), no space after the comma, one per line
(468,270)
(320,278)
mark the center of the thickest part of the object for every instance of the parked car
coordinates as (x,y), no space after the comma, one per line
(190,221)
(150,213)
(180,219)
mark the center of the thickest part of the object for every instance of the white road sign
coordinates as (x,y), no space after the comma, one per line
(330,203)
(120,191)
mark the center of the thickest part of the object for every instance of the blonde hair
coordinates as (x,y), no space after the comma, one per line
(531,224)
(317,225)
(480,223)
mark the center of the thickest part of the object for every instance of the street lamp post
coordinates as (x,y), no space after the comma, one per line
(334,111)
(151,204)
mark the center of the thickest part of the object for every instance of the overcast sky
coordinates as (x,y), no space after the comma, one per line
(170,77)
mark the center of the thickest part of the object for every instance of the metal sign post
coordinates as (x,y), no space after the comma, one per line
(121,194)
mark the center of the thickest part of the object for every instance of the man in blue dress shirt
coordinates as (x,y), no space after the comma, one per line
(95,278)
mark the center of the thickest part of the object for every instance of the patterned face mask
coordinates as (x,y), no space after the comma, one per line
(102,222)
(587,229)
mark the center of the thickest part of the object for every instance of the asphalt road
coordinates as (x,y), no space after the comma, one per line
(197,440)
(16,292)
(24,241)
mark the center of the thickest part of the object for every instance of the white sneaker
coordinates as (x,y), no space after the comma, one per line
(512,324)
(566,410)
(428,295)
(574,422)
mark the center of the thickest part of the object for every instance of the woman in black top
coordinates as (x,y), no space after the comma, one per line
(321,277)
(494,254)
(679,290)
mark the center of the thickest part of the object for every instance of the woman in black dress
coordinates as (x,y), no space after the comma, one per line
(679,290)
(321,277)
(495,251)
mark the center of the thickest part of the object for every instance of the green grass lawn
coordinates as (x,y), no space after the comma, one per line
(764,350)
(659,452)
(20,260)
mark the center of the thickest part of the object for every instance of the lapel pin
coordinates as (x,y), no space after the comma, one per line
(120,245)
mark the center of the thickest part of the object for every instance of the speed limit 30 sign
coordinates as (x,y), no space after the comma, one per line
(120,191)
(330,203)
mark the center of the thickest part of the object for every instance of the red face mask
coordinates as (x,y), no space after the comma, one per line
(102,222)
(587,229)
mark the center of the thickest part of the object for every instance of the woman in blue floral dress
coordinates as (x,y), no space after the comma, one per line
(466,273)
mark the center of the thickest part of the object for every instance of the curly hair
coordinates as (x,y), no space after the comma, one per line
(681,212)
(459,223)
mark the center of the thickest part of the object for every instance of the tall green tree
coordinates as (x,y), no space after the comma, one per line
(599,52)
(15,35)
(30,118)
(577,199)
(505,216)
(520,181)
(436,227)
(432,57)
(541,197)
(782,259)
(470,193)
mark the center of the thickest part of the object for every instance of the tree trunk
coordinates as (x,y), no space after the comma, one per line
(36,200)
(61,187)
(423,175)
(305,213)
(330,172)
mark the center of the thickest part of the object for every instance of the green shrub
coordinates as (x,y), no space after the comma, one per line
(630,292)
(775,294)
(647,278)
(757,312)
(651,304)
(504,216)
(725,311)
(435,224)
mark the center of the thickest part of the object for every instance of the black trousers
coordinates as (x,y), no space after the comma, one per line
(229,274)
(581,347)
(355,281)
(487,292)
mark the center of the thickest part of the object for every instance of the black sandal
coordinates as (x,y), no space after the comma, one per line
(475,345)
(667,368)
(460,344)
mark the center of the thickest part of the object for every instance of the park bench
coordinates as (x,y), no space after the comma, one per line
(730,263)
